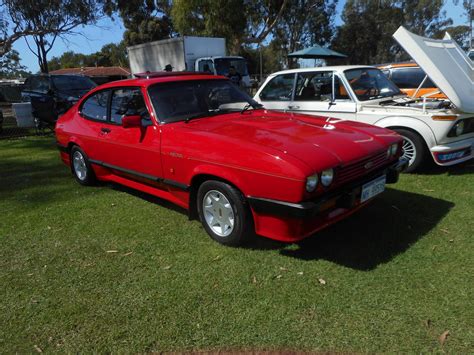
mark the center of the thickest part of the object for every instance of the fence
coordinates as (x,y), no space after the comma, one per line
(11,126)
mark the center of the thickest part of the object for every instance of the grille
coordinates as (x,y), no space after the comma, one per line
(358,169)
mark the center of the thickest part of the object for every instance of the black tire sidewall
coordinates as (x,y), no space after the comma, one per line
(90,176)
(420,149)
(242,221)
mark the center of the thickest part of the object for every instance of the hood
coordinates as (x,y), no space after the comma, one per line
(447,65)
(316,141)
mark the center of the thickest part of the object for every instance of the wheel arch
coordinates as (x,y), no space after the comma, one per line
(412,124)
(203,174)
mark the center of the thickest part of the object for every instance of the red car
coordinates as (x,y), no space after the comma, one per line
(201,143)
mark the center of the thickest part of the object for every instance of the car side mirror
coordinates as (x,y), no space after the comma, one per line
(131,121)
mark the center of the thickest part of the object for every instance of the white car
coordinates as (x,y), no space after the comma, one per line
(440,128)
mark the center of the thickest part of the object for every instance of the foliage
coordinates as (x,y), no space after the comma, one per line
(45,21)
(366,35)
(144,20)
(241,22)
(10,66)
(459,33)
(109,270)
(110,55)
(303,24)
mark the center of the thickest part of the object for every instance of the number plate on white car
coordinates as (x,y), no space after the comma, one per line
(373,188)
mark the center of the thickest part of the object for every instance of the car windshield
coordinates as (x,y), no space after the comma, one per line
(184,100)
(71,83)
(223,64)
(370,83)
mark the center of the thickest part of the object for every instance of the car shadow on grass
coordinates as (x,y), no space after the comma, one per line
(376,234)
(464,168)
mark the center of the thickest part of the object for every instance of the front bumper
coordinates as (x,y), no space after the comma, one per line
(290,222)
(453,153)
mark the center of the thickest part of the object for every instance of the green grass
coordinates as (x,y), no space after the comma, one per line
(398,273)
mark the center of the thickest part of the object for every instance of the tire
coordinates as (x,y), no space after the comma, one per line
(414,149)
(81,168)
(224,213)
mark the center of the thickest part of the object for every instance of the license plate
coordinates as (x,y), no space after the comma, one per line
(373,188)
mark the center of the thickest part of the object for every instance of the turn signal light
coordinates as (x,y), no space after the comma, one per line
(444,118)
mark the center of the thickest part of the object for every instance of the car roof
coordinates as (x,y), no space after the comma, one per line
(339,68)
(160,77)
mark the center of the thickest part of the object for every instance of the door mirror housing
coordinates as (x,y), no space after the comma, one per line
(131,121)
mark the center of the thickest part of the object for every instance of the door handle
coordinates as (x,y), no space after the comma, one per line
(105,130)
(293,107)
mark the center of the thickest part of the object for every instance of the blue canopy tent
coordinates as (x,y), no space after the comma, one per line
(317,52)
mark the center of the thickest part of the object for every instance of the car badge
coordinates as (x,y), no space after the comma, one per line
(368,165)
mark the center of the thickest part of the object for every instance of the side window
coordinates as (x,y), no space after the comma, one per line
(41,84)
(206,66)
(38,84)
(280,88)
(128,102)
(317,86)
(314,86)
(95,107)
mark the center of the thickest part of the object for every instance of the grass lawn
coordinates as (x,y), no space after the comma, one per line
(105,269)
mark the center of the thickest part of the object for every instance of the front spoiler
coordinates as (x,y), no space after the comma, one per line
(346,196)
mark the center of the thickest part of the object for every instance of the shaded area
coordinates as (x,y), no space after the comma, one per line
(464,168)
(377,233)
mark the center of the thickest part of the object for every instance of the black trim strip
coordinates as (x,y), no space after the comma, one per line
(345,197)
(173,183)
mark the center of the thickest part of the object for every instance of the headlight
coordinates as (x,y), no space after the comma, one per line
(389,151)
(459,128)
(327,176)
(311,183)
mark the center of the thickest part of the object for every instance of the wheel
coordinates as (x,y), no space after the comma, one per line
(224,213)
(81,168)
(414,149)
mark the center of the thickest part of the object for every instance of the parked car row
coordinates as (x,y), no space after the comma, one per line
(438,128)
(310,149)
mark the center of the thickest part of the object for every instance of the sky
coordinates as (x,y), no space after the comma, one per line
(91,38)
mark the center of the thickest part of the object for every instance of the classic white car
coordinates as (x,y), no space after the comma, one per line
(440,128)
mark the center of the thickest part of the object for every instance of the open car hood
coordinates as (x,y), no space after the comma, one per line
(447,65)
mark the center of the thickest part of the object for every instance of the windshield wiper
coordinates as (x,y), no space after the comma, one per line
(254,106)
(210,112)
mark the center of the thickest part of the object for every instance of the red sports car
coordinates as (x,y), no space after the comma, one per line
(201,143)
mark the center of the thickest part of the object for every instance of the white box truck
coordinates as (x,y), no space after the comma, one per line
(187,53)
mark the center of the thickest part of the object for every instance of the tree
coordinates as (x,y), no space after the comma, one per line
(10,66)
(459,33)
(144,20)
(241,22)
(47,20)
(304,23)
(110,55)
(366,35)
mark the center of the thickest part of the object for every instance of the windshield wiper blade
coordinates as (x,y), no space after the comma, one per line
(254,106)
(211,112)
(198,115)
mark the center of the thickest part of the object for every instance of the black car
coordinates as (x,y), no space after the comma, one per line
(1,121)
(52,95)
